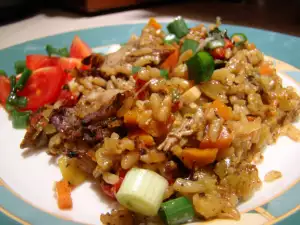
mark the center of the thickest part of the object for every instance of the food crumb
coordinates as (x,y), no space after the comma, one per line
(272,175)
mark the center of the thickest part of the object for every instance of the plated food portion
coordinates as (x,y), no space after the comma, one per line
(170,126)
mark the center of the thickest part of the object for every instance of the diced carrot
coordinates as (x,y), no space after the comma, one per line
(171,61)
(198,157)
(222,110)
(130,117)
(266,69)
(251,118)
(224,140)
(156,128)
(63,191)
(147,139)
(251,46)
(152,22)
(91,154)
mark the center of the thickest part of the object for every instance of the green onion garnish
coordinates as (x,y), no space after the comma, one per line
(215,44)
(178,27)
(164,74)
(189,44)
(176,211)
(20,119)
(3,73)
(170,39)
(14,100)
(63,52)
(239,38)
(9,107)
(135,69)
(23,79)
(200,67)
(20,66)
(142,191)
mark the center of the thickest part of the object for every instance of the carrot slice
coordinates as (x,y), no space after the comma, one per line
(265,69)
(198,157)
(130,118)
(224,140)
(171,61)
(152,22)
(63,191)
(145,138)
(222,110)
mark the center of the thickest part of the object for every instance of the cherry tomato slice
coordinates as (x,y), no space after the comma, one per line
(4,89)
(68,99)
(108,190)
(228,43)
(43,87)
(218,53)
(34,62)
(79,49)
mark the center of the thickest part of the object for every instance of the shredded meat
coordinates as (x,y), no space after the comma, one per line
(95,60)
(184,130)
(85,163)
(34,139)
(118,217)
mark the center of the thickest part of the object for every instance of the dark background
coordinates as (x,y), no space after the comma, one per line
(276,15)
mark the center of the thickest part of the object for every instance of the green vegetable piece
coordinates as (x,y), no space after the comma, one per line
(24,77)
(3,73)
(135,69)
(9,107)
(215,44)
(20,119)
(176,211)
(142,191)
(63,52)
(178,27)
(170,39)
(200,67)
(239,38)
(164,73)
(20,66)
(189,44)
(21,101)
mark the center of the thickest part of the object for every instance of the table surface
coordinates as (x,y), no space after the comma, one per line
(266,14)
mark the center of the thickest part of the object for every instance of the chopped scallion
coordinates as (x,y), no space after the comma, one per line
(138,193)
(23,79)
(164,74)
(178,27)
(63,52)
(200,67)
(177,211)
(170,39)
(215,44)
(20,66)
(20,119)
(135,69)
(189,44)
(239,38)
(3,73)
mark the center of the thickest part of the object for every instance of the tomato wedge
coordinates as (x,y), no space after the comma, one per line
(34,62)
(79,49)
(69,63)
(43,87)
(4,89)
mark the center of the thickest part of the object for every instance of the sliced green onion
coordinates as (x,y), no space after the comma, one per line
(189,44)
(178,27)
(215,44)
(176,211)
(9,107)
(20,119)
(21,101)
(200,67)
(164,74)
(142,191)
(20,66)
(170,39)
(135,69)
(238,38)
(63,52)
(23,79)
(3,73)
